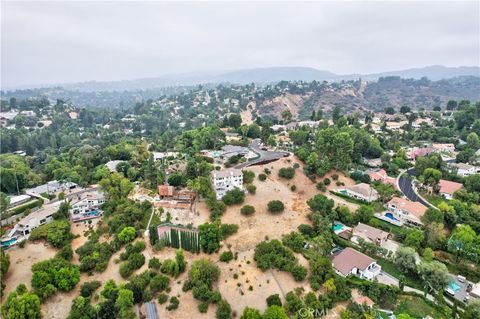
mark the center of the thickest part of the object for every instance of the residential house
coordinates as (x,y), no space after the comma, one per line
(233,150)
(226,180)
(372,162)
(376,128)
(165,191)
(157,156)
(18,200)
(381,175)
(447,188)
(112,165)
(405,211)
(360,191)
(369,234)
(351,262)
(419,122)
(86,206)
(36,218)
(278,128)
(415,152)
(443,147)
(464,169)
(395,126)
(50,188)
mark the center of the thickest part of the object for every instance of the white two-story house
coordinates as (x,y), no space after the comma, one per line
(86,206)
(226,180)
(405,211)
(351,262)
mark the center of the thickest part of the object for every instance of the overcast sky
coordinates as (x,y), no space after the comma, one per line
(58,42)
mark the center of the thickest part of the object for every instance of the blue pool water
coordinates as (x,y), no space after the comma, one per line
(337,227)
(92,213)
(8,243)
(390,216)
(454,286)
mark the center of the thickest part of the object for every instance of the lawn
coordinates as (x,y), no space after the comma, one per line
(392,269)
(416,307)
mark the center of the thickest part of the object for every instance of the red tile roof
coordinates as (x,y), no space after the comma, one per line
(165,190)
(448,187)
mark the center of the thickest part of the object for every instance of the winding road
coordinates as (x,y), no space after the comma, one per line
(264,156)
(406,187)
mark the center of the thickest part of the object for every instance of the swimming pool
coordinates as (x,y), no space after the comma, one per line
(337,227)
(454,286)
(390,216)
(8,243)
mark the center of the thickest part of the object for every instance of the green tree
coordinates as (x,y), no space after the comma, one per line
(127,235)
(250,313)
(210,237)
(22,306)
(405,259)
(82,309)
(275,312)
(247,210)
(320,203)
(414,238)
(434,274)
(116,186)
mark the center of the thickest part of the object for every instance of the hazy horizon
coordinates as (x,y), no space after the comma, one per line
(66,42)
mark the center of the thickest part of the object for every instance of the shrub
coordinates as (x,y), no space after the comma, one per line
(159,282)
(293,188)
(262,177)
(226,256)
(162,298)
(252,189)
(299,272)
(174,302)
(126,270)
(127,235)
(203,307)
(267,171)
(326,181)
(335,177)
(56,233)
(248,176)
(286,172)
(228,229)
(275,206)
(247,210)
(274,300)
(154,263)
(89,287)
(234,196)
(224,311)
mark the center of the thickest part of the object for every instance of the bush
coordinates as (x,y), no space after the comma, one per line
(162,298)
(154,263)
(326,181)
(56,233)
(274,300)
(293,188)
(89,287)
(335,177)
(174,302)
(226,256)
(286,172)
(159,282)
(252,189)
(275,206)
(262,177)
(224,311)
(299,272)
(228,229)
(127,235)
(126,270)
(234,196)
(247,210)
(248,176)
(203,307)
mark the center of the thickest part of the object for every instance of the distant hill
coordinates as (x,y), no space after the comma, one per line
(265,75)
(434,72)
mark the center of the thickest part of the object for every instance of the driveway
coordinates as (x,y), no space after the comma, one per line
(405,184)
(387,279)
(264,156)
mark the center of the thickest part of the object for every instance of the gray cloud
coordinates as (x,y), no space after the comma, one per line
(55,42)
